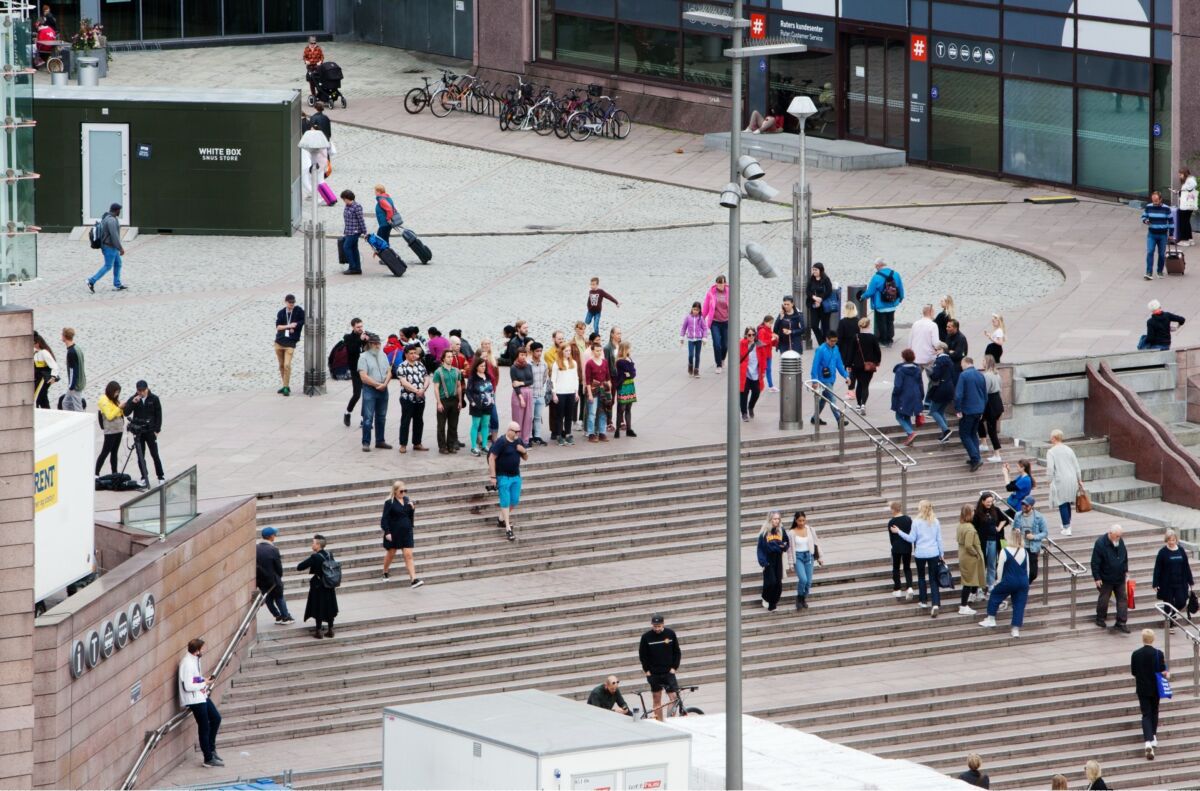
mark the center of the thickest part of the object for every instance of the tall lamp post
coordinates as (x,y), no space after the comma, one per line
(741,169)
(802,108)
(312,142)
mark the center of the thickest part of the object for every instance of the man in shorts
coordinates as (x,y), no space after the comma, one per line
(659,654)
(504,464)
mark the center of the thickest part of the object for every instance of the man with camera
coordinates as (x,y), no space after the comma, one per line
(144,411)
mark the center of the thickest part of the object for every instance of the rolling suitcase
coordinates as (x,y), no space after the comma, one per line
(1175,260)
(388,257)
(419,248)
(326,193)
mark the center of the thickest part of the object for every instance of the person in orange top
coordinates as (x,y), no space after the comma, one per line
(768,339)
(314,56)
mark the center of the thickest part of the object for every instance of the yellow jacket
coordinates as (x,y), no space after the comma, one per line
(110,409)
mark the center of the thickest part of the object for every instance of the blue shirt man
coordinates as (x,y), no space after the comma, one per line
(885,292)
(970,398)
(1157,219)
(826,365)
(111,248)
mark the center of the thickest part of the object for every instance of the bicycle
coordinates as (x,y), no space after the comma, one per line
(419,98)
(453,97)
(609,121)
(675,708)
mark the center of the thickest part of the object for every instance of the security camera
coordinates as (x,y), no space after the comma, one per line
(731,196)
(761,190)
(749,168)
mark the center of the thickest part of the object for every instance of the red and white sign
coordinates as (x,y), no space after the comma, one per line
(919,48)
(758,26)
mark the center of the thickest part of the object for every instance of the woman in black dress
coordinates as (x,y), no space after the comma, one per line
(818,289)
(397,525)
(1173,581)
(865,357)
(322,604)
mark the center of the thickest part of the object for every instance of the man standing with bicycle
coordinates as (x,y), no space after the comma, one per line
(660,655)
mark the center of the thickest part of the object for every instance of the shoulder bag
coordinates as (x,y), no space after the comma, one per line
(1083,503)
(867,365)
(1164,686)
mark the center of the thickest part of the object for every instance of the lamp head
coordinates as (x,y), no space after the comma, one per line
(802,107)
(757,256)
(749,168)
(313,140)
(731,196)
(761,190)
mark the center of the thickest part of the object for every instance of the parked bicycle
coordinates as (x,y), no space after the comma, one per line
(419,98)
(602,117)
(673,708)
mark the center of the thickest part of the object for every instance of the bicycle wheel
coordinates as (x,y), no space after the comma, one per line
(415,100)
(622,124)
(577,127)
(441,103)
(693,710)
(544,120)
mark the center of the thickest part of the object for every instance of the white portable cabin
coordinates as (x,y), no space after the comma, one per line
(64,497)
(528,740)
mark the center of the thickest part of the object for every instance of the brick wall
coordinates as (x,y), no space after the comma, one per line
(16,547)
(87,731)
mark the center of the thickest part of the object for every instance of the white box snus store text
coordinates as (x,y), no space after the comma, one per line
(528,740)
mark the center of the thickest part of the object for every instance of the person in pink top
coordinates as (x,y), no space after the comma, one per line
(716,316)
(693,331)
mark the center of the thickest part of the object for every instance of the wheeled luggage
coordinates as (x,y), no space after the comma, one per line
(388,257)
(419,248)
(1175,260)
(326,193)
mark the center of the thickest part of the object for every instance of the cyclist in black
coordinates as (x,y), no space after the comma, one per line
(660,655)
(607,695)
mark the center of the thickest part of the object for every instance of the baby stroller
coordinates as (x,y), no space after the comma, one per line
(327,80)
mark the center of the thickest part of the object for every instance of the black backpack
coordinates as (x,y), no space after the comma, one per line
(331,570)
(890,291)
(96,235)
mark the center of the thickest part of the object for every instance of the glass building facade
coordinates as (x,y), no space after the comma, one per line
(1071,92)
(163,20)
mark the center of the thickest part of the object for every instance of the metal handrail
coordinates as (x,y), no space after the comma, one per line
(177,719)
(1069,565)
(1173,617)
(882,442)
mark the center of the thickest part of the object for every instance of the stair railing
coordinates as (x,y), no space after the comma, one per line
(882,442)
(1073,568)
(154,737)
(1174,617)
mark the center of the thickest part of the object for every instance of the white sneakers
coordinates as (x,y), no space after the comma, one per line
(1016,631)
(765,605)
(897,593)
(908,594)
(934,612)
(1066,531)
(923,606)
(995,457)
(988,623)
(1004,605)
(965,610)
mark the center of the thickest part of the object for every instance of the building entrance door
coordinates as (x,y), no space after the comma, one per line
(105,170)
(875,71)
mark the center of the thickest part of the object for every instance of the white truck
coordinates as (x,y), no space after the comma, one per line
(64,503)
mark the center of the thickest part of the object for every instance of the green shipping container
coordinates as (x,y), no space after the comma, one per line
(214,161)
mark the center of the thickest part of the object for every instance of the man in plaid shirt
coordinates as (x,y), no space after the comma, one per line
(352,216)
(538,390)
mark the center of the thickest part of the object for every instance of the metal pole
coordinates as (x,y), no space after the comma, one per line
(733,460)
(1074,584)
(1167,637)
(816,415)
(1046,577)
(841,435)
(878,469)
(904,490)
(1196,670)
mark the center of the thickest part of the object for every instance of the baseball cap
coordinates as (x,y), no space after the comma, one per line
(1028,500)
(267,532)
(372,338)
(657,618)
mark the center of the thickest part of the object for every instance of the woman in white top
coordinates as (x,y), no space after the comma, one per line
(1012,569)
(1066,479)
(995,335)
(564,386)
(803,554)
(1187,205)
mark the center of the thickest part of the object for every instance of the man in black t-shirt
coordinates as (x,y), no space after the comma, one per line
(659,654)
(504,464)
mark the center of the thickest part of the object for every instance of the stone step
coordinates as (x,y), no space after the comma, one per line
(1119,490)
(1083,447)
(1095,468)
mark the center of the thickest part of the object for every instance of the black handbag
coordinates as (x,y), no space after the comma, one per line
(944,580)
(1193,604)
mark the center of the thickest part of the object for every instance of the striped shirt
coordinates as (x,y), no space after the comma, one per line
(1159,219)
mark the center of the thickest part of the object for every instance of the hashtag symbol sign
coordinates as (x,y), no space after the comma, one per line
(758,26)
(918,49)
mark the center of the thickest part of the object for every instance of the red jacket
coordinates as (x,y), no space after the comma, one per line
(764,357)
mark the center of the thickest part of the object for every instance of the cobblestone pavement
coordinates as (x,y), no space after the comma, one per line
(198,316)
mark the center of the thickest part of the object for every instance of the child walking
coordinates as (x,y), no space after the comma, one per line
(481,396)
(693,333)
(595,301)
(768,338)
(626,391)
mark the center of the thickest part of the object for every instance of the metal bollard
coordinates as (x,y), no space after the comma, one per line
(791,386)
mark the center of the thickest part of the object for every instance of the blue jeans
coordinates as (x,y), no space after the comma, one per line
(968,433)
(1156,242)
(928,567)
(594,411)
(592,319)
(208,721)
(720,339)
(374,413)
(538,405)
(350,247)
(990,553)
(112,260)
(1019,594)
(1143,346)
(276,604)
(1064,514)
(904,423)
(771,383)
(385,232)
(822,401)
(936,411)
(694,354)
(804,574)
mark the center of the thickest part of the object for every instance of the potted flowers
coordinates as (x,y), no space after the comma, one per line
(90,42)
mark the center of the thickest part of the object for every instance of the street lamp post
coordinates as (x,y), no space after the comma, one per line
(312,142)
(802,108)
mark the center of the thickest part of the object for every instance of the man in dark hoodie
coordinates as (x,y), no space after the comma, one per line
(660,655)
(144,411)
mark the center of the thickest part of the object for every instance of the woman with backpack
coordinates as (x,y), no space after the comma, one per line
(485,354)
(322,604)
(397,525)
(818,290)
(385,213)
(112,424)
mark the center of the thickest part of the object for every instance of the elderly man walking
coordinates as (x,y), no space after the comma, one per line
(1110,567)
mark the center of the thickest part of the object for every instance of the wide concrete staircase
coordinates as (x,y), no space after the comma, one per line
(632,505)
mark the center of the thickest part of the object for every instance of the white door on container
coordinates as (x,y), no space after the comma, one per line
(105,170)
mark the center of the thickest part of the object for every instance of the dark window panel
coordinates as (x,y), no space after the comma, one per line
(888,12)
(654,12)
(242,17)
(1165,168)
(120,20)
(1112,142)
(1162,12)
(1032,62)
(704,62)
(1037,130)
(584,42)
(967,20)
(1162,44)
(810,74)
(314,15)
(593,7)
(1129,75)
(1060,6)
(1038,29)
(160,19)
(647,51)
(283,16)
(201,18)
(965,120)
